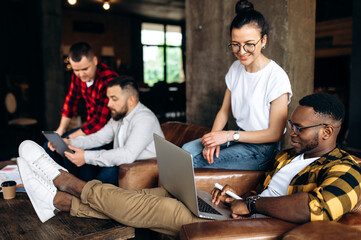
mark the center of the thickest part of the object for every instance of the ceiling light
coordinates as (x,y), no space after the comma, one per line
(106,5)
(72,2)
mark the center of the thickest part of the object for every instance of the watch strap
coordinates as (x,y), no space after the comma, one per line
(250,202)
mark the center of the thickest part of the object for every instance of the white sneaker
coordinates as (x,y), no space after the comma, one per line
(40,193)
(39,161)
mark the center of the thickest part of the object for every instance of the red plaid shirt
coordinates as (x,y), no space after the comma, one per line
(94,96)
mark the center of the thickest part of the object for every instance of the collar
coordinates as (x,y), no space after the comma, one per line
(336,153)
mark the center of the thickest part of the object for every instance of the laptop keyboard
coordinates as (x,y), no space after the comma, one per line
(205,207)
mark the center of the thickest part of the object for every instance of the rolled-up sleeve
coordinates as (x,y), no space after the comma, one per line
(337,194)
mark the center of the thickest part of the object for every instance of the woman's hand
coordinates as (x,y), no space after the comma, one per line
(214,139)
(208,153)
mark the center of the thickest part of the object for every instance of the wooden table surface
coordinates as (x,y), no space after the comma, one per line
(18,220)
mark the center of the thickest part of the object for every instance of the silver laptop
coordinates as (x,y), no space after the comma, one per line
(176,175)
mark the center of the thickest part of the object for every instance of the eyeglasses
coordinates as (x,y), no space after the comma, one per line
(235,47)
(297,129)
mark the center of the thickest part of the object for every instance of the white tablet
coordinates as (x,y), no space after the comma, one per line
(57,142)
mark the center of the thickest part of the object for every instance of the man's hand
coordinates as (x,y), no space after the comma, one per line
(77,133)
(221,196)
(60,131)
(67,141)
(239,209)
(77,157)
(51,146)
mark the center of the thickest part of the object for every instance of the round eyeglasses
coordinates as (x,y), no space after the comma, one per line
(297,129)
(235,47)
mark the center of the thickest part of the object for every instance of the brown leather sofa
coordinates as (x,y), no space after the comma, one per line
(144,174)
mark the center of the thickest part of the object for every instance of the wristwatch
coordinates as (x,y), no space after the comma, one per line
(236,136)
(250,202)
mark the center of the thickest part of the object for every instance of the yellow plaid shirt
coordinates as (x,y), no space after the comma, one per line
(333,183)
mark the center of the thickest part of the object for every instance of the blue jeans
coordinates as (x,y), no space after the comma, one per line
(86,172)
(238,156)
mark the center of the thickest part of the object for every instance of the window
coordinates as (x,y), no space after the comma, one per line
(162,53)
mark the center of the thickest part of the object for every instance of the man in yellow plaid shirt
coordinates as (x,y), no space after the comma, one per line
(314,181)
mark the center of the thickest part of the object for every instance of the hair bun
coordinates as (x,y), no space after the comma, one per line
(243,5)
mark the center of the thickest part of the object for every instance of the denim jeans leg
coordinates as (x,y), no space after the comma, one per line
(108,175)
(89,172)
(195,148)
(240,156)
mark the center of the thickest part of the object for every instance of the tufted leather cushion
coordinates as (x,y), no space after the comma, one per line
(181,133)
(241,181)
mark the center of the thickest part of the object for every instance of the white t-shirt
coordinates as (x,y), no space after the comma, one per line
(252,93)
(89,84)
(281,180)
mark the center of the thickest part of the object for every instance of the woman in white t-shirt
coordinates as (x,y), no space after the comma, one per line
(258,92)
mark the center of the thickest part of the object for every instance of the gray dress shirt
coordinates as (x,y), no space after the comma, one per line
(139,126)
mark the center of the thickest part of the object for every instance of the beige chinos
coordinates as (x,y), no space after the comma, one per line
(147,208)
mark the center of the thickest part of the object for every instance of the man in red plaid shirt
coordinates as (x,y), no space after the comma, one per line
(89,81)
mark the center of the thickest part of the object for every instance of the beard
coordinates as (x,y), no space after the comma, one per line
(119,115)
(313,144)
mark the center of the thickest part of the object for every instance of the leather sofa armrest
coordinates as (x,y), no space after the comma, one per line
(138,175)
(352,219)
(180,133)
(252,228)
(322,230)
(240,180)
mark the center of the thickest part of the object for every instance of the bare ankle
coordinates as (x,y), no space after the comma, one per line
(62,201)
(58,181)
(68,183)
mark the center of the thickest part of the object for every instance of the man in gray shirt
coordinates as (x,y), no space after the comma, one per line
(131,129)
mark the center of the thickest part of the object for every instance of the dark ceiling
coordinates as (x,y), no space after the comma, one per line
(173,10)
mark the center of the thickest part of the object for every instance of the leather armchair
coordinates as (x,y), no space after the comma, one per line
(144,173)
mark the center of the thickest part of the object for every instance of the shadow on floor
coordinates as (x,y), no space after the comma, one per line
(146,234)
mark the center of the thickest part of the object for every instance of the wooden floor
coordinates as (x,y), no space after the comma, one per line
(18,220)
